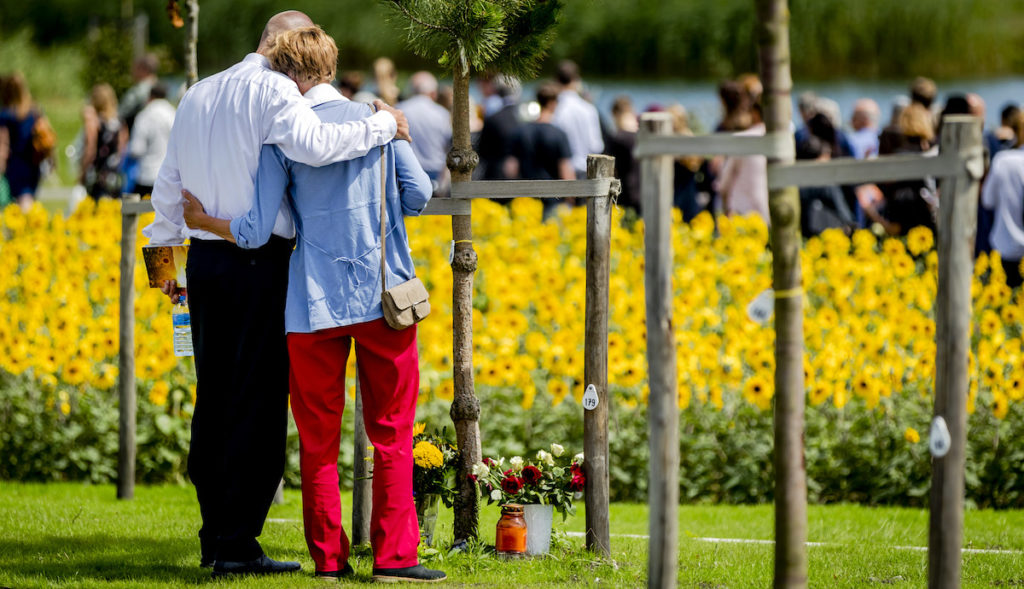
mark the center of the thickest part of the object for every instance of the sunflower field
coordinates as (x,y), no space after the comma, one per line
(869,364)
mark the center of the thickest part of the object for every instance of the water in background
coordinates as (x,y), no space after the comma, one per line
(701,98)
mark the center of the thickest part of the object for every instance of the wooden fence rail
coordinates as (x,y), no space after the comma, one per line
(959,165)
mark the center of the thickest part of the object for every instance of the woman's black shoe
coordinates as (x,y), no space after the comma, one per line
(416,574)
(344,573)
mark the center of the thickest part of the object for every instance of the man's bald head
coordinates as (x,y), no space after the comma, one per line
(280,22)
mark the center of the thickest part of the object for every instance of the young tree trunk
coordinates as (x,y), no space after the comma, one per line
(191,43)
(784,207)
(465,411)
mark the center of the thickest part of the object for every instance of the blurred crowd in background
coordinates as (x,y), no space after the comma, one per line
(548,133)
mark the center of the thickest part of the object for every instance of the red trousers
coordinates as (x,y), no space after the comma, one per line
(389,382)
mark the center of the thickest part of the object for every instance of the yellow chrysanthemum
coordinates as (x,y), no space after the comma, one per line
(427,455)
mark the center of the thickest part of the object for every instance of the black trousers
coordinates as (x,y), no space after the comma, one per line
(1012,269)
(236,459)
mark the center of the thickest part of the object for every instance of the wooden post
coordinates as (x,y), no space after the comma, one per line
(595,362)
(784,207)
(126,356)
(191,42)
(465,411)
(663,401)
(362,484)
(957,226)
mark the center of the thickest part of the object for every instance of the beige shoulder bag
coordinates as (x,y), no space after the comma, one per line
(408,303)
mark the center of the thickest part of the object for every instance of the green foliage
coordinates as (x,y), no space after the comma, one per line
(507,35)
(852,455)
(72,435)
(829,38)
(108,58)
(640,38)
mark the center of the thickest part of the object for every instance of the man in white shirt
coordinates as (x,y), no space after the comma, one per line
(577,117)
(149,137)
(431,124)
(237,297)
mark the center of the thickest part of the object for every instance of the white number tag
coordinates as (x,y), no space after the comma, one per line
(761,308)
(590,397)
(939,440)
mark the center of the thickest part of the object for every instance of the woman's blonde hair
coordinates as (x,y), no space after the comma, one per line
(916,121)
(104,100)
(307,53)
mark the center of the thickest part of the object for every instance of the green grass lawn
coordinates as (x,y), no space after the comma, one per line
(72,535)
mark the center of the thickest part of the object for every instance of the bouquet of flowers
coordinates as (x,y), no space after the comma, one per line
(546,479)
(434,465)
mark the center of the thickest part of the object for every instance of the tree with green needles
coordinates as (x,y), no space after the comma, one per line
(507,36)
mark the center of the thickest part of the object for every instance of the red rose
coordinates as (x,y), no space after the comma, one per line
(531,475)
(577,483)
(488,461)
(471,477)
(512,485)
(578,478)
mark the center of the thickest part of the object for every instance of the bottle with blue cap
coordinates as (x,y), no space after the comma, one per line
(182,322)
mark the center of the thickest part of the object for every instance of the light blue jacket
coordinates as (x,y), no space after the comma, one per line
(334,274)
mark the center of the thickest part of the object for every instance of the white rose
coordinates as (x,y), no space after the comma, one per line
(516,462)
(557,449)
(496,495)
(480,469)
(578,459)
(546,458)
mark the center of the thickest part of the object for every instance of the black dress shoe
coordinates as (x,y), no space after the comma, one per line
(264,565)
(206,563)
(416,574)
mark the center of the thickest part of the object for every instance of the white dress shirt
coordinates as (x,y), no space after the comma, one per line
(579,119)
(150,134)
(1004,192)
(221,125)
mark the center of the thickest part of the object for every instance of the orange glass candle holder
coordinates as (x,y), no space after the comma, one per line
(510,534)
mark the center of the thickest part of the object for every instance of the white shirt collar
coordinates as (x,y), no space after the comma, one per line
(322,93)
(257,59)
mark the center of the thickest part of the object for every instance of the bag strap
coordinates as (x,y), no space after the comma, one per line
(383,218)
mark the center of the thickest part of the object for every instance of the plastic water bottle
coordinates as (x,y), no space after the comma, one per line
(182,322)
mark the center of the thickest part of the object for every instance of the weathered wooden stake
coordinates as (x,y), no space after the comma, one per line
(362,484)
(465,411)
(958,217)
(595,362)
(126,356)
(663,401)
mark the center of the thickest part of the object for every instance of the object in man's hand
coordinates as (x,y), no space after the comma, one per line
(165,262)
